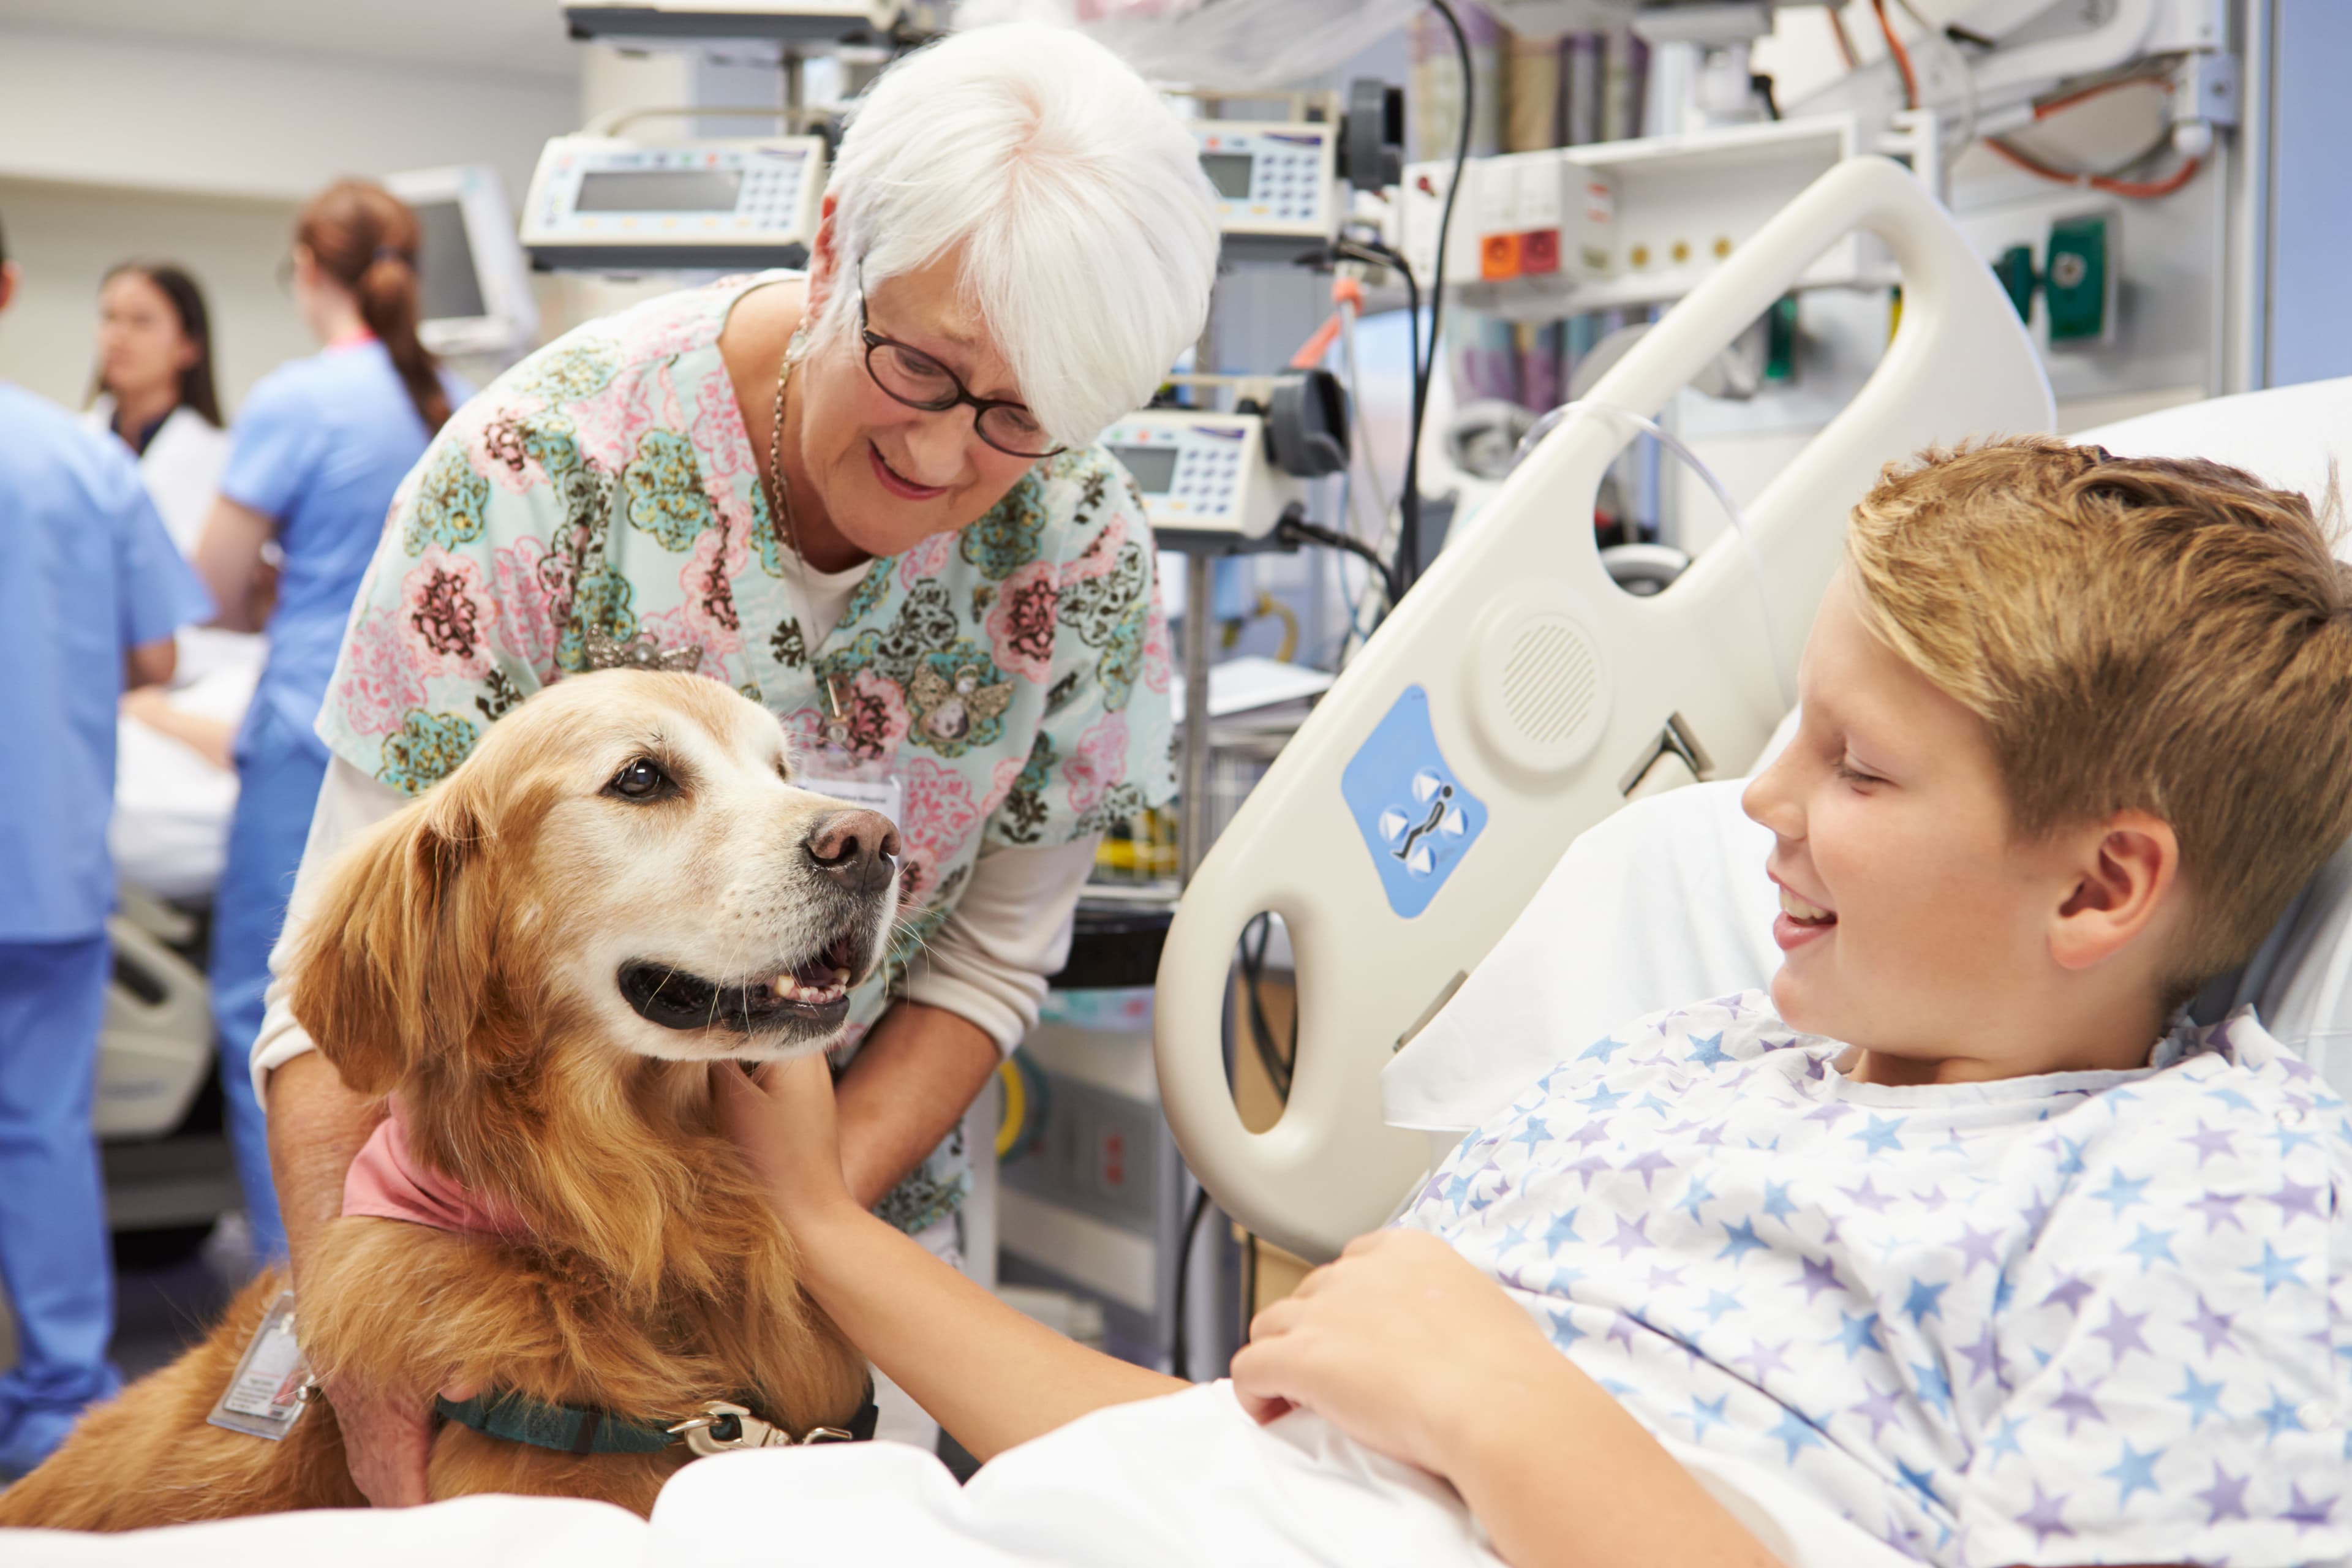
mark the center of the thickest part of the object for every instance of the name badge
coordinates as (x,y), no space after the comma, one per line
(886,794)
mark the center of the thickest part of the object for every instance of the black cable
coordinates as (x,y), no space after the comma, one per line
(1180,1357)
(1278,1065)
(1408,561)
(1295,529)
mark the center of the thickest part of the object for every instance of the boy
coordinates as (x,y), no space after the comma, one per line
(2014,1274)
(90,590)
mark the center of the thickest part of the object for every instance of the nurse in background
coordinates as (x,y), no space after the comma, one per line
(154,388)
(316,453)
(90,590)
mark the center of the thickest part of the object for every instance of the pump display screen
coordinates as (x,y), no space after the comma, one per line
(1154,467)
(1229,172)
(659,191)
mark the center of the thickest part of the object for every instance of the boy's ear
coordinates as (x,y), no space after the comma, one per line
(2123,873)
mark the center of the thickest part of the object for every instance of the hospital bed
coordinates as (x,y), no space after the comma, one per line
(1562,907)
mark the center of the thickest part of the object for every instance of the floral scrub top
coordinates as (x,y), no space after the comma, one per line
(600,505)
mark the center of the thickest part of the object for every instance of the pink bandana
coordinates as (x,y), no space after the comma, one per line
(386,1182)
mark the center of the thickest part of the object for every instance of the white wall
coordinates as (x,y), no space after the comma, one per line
(117,147)
(113,111)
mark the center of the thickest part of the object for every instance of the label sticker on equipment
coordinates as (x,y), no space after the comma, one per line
(265,1396)
(1417,817)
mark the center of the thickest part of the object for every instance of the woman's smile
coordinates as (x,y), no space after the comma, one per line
(896,483)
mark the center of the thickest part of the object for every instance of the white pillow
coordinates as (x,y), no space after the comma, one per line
(1666,902)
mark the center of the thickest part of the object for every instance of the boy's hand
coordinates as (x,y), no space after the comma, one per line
(782,1117)
(1401,1344)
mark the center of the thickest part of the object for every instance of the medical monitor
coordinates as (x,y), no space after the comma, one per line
(474,285)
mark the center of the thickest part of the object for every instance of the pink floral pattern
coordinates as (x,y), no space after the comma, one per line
(927,559)
(1022,621)
(707,584)
(940,818)
(1100,764)
(875,712)
(376,683)
(525,578)
(447,615)
(1159,659)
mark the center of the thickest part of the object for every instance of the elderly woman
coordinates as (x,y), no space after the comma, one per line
(868,497)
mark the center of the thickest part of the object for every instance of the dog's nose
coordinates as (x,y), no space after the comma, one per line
(857,851)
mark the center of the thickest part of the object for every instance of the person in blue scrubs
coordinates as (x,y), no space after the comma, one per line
(314,457)
(91,589)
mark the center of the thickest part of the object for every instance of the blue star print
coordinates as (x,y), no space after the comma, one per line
(2002,1339)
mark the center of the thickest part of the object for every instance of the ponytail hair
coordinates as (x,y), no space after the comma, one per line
(366,239)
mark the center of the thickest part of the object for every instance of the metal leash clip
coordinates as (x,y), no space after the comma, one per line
(723,1428)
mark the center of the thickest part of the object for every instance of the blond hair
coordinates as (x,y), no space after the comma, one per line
(2163,635)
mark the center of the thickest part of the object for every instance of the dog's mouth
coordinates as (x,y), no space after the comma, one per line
(816,991)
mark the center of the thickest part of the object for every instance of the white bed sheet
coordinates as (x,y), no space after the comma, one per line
(1181,1483)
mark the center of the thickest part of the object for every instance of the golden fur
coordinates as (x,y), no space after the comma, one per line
(461,957)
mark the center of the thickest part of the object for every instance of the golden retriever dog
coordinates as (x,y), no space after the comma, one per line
(540,965)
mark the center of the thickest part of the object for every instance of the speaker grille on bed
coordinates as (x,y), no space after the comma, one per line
(1548,679)
(1539,682)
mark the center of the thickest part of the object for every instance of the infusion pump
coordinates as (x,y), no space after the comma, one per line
(601,202)
(1203,472)
(1277,185)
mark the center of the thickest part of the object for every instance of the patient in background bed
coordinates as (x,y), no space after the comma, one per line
(1955,1230)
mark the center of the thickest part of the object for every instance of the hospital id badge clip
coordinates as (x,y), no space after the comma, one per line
(273,1382)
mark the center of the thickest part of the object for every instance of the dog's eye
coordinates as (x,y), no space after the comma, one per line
(643,779)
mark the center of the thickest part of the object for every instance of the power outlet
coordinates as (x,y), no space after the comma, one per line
(2080,276)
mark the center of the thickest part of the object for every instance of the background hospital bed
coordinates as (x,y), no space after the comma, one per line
(1517,697)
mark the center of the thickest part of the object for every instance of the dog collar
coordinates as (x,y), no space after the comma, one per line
(721,1428)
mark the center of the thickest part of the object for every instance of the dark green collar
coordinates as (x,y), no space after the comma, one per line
(575,1429)
(566,1428)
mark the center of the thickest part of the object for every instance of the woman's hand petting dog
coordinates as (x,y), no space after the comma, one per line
(781,1115)
(1400,1344)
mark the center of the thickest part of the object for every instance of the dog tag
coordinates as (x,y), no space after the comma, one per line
(267,1396)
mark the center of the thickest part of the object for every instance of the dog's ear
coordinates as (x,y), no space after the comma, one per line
(389,965)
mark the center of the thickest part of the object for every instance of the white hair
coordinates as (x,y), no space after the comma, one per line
(1072,192)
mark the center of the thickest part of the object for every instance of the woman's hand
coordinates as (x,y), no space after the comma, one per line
(1400,1344)
(782,1117)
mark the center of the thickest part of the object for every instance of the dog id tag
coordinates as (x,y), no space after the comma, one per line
(268,1395)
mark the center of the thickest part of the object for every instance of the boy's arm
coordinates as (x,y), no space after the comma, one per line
(991,1377)
(1411,1351)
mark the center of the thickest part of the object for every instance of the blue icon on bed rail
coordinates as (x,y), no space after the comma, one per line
(1417,818)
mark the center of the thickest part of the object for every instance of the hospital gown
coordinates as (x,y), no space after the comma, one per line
(2077,1317)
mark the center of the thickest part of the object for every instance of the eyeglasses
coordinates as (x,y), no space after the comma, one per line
(918,381)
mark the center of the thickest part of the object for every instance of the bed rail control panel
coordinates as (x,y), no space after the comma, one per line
(605,203)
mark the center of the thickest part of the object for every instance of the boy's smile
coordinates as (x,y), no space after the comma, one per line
(1915,922)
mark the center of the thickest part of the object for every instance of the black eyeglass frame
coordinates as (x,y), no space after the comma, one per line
(963,394)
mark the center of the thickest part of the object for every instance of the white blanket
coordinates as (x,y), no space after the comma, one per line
(1168,1483)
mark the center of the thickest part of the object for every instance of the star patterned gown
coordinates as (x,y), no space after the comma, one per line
(2086,1317)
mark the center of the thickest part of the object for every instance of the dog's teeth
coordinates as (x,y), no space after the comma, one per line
(841,978)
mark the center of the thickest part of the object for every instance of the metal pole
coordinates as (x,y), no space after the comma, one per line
(1192,803)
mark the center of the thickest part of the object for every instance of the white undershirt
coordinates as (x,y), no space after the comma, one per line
(988,963)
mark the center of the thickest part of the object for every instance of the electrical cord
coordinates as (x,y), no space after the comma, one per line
(1408,550)
(1898,53)
(1278,1065)
(1180,1354)
(1293,528)
(2135,190)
